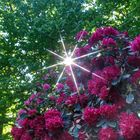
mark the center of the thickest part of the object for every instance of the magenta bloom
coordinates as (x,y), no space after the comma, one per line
(59,86)
(26,136)
(52,113)
(72,100)
(91,115)
(134,61)
(96,36)
(81,35)
(111,73)
(135,78)
(135,45)
(54,124)
(32,112)
(46,86)
(109,42)
(17,132)
(129,126)
(108,111)
(110,31)
(107,134)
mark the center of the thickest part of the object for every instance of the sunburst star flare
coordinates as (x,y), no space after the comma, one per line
(68,60)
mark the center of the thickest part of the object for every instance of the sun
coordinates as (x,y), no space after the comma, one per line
(68,61)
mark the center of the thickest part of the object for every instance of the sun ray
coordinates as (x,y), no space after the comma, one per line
(64,47)
(88,71)
(74,79)
(87,55)
(55,54)
(61,63)
(75,47)
(60,76)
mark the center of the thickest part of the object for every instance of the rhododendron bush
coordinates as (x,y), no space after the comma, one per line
(107,104)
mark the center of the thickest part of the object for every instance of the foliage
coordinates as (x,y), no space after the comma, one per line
(106,104)
(28,27)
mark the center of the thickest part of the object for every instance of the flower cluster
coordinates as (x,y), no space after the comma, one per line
(91,115)
(135,45)
(107,87)
(129,126)
(53,121)
(108,134)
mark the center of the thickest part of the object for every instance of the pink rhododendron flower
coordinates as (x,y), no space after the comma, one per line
(109,42)
(134,61)
(38,125)
(81,35)
(91,115)
(110,31)
(59,86)
(107,134)
(111,73)
(32,112)
(52,113)
(46,86)
(135,45)
(70,83)
(96,36)
(61,98)
(26,136)
(23,122)
(108,112)
(17,132)
(54,123)
(104,92)
(83,100)
(135,78)
(129,126)
(72,100)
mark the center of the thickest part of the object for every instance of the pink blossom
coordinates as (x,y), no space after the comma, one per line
(46,86)
(81,35)
(17,132)
(134,61)
(108,42)
(52,113)
(59,86)
(110,31)
(91,115)
(96,36)
(129,126)
(32,112)
(108,111)
(104,92)
(61,98)
(111,73)
(54,123)
(135,78)
(135,45)
(107,134)
(26,136)
(72,100)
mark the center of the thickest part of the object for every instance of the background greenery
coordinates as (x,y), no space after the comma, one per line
(28,27)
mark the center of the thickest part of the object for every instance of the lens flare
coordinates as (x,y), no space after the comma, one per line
(68,60)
